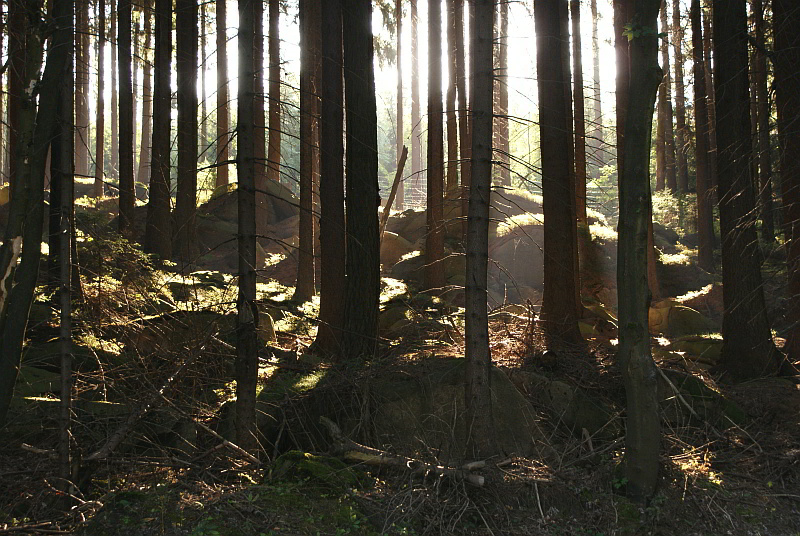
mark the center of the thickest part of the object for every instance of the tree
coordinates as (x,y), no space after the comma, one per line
(580,122)
(309,144)
(400,133)
(450,99)
(100,105)
(712,122)
(705,217)
(158,234)
(503,147)
(114,91)
(223,134)
(670,176)
(434,241)
(786,19)
(763,115)
(464,137)
(274,152)
(82,88)
(642,436)
(598,136)
(127,193)
(416,129)
(17,26)
(146,145)
(681,133)
(260,131)
(360,335)
(559,307)
(186,202)
(748,350)
(478,354)
(331,185)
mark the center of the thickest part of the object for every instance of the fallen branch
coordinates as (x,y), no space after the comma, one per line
(355,452)
(389,202)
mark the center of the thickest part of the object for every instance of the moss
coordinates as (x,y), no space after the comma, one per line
(323,469)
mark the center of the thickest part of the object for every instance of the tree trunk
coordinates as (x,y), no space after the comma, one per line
(478,354)
(671,178)
(661,140)
(17,26)
(705,217)
(185,245)
(559,307)
(580,122)
(203,104)
(127,191)
(598,159)
(137,53)
(260,131)
(247,312)
(309,145)
(158,230)
(82,88)
(501,132)
(463,112)
(223,128)
(100,119)
(681,133)
(360,335)
(786,19)
(452,123)
(748,350)
(114,95)
(642,436)
(34,132)
(146,145)
(274,154)
(434,241)
(331,185)
(416,127)
(712,121)
(400,133)
(763,114)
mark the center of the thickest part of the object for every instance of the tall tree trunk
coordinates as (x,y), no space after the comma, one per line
(82,88)
(17,27)
(786,19)
(748,350)
(127,190)
(661,140)
(501,133)
(705,217)
(146,145)
(400,135)
(712,116)
(360,335)
(158,230)
(669,132)
(135,37)
(416,128)
(580,121)
(100,120)
(114,95)
(309,144)
(763,109)
(559,307)
(274,154)
(260,131)
(598,159)
(223,126)
(434,241)
(185,244)
(643,435)
(464,137)
(20,254)
(331,185)
(203,93)
(681,133)
(478,354)
(247,312)
(452,123)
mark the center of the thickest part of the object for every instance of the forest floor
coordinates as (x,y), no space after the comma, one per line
(138,325)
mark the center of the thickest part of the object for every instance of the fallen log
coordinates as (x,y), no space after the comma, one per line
(351,451)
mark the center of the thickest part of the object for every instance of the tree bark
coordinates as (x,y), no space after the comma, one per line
(478,354)
(580,121)
(705,217)
(642,436)
(114,92)
(247,312)
(416,127)
(501,133)
(400,133)
(274,153)
(360,335)
(203,93)
(559,306)
(598,159)
(712,121)
(158,230)
(185,244)
(223,128)
(671,178)
(100,119)
(260,131)
(681,133)
(82,88)
(763,114)
(452,123)
(309,145)
(463,112)
(748,350)
(786,19)
(17,27)
(127,191)
(331,185)
(434,241)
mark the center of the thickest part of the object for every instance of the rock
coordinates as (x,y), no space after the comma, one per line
(394,317)
(674,320)
(109,205)
(707,404)
(698,348)
(393,247)
(707,300)
(33,381)
(409,268)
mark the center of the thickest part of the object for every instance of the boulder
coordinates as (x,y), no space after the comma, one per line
(674,320)
(707,404)
(704,350)
(393,247)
